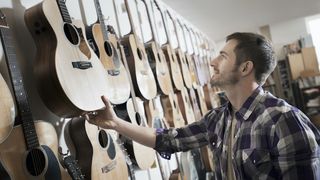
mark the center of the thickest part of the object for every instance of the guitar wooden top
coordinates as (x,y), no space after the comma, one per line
(7,110)
(70,77)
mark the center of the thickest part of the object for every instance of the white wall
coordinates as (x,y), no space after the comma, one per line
(287,32)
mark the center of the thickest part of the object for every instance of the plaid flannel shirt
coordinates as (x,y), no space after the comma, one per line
(273,140)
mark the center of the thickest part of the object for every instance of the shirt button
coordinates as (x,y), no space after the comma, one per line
(254,161)
(213,143)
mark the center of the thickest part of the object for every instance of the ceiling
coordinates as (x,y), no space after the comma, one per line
(218,18)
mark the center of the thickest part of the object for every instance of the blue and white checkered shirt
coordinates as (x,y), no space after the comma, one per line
(273,140)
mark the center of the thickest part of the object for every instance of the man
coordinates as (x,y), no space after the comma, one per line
(254,135)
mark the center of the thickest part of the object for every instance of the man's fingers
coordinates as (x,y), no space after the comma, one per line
(106,101)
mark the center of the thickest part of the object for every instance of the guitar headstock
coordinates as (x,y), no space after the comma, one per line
(3,19)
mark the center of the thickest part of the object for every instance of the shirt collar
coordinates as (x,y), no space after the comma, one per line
(249,105)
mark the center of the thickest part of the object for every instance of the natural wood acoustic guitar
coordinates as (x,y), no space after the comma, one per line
(174,67)
(143,80)
(156,55)
(104,41)
(30,151)
(70,77)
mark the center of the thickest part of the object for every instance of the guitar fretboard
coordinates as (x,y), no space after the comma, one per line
(64,11)
(19,91)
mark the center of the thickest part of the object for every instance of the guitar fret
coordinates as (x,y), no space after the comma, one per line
(101,20)
(18,87)
(64,11)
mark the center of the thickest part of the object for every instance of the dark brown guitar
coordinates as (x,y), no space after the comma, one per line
(31,149)
(70,77)
(105,45)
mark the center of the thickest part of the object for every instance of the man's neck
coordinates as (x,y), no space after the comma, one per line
(239,93)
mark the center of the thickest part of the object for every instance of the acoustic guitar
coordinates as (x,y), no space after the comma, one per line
(133,111)
(31,149)
(174,67)
(7,109)
(196,57)
(70,77)
(104,42)
(185,105)
(190,57)
(156,55)
(96,150)
(180,51)
(143,80)
(172,110)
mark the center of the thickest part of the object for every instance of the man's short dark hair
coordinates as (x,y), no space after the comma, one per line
(256,48)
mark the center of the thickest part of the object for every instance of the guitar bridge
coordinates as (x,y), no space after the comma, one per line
(82,65)
(109,167)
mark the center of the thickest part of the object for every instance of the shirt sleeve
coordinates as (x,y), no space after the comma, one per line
(297,147)
(173,140)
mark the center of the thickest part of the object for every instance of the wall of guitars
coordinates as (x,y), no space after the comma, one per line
(57,57)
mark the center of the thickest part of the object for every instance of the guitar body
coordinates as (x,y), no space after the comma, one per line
(98,155)
(70,77)
(184,69)
(199,69)
(185,105)
(172,112)
(193,71)
(202,103)
(13,154)
(143,155)
(195,105)
(159,67)
(211,97)
(7,110)
(174,67)
(142,77)
(115,71)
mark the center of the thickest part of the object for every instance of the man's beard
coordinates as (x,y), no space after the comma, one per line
(232,79)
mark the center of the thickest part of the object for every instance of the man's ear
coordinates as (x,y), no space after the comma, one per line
(246,67)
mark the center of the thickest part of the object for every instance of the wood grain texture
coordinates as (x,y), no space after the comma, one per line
(65,90)
(7,110)
(142,77)
(119,85)
(93,155)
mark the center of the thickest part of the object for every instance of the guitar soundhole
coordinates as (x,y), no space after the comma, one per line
(139,53)
(108,48)
(159,57)
(103,139)
(138,118)
(35,162)
(71,33)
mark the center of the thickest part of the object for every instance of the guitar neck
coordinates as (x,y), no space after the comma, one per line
(101,20)
(23,107)
(133,29)
(64,11)
(166,26)
(153,30)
